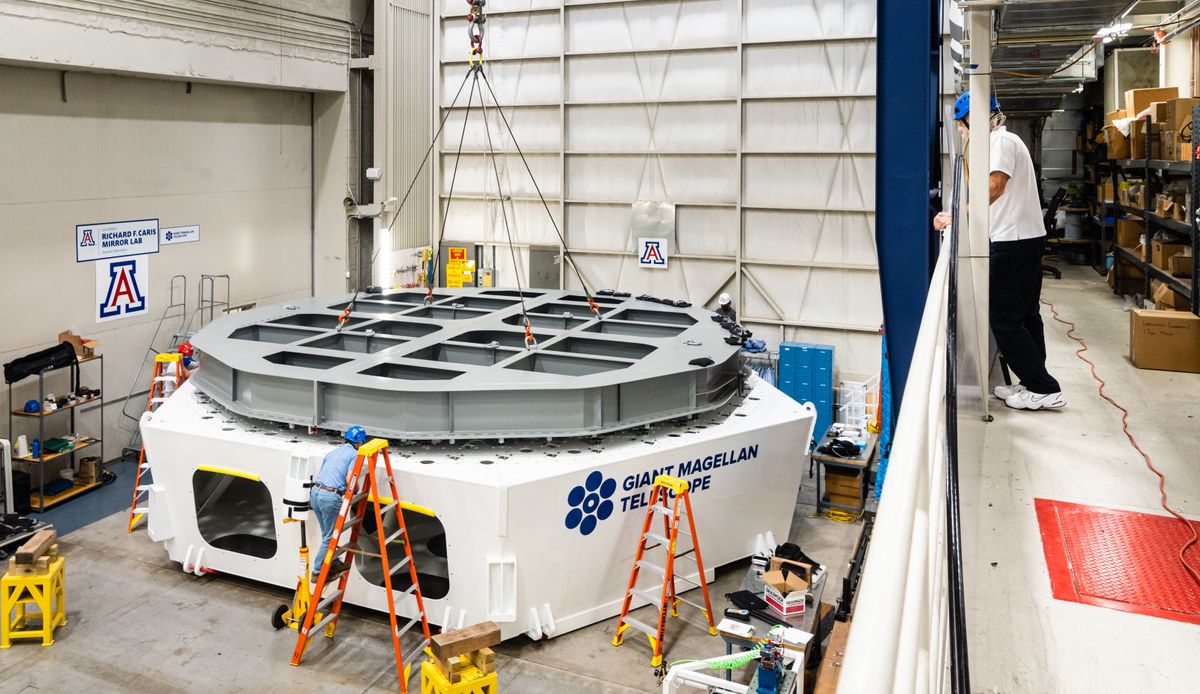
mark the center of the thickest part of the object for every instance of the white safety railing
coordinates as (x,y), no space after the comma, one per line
(899,639)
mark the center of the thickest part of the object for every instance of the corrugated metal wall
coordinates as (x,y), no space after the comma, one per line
(755,117)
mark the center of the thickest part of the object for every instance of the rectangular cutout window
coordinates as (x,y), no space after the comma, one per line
(270,333)
(551,322)
(563,365)
(445,313)
(305,361)
(463,354)
(234,513)
(601,348)
(641,315)
(324,321)
(356,342)
(505,338)
(481,302)
(400,328)
(616,327)
(373,308)
(404,372)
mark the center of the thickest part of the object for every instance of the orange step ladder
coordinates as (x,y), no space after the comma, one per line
(667,597)
(362,487)
(159,379)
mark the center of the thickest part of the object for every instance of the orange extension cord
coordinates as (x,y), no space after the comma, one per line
(1162,480)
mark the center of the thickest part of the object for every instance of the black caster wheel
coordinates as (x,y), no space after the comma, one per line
(277,617)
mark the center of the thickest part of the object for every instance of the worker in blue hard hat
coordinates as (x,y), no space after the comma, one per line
(327,491)
(1016,245)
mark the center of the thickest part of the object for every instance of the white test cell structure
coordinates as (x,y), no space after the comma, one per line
(533,528)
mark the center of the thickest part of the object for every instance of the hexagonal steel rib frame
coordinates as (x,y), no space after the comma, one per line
(458,367)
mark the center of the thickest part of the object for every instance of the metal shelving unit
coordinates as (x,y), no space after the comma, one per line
(1159,170)
(39,500)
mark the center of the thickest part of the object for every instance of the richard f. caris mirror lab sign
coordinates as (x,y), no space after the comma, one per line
(101,240)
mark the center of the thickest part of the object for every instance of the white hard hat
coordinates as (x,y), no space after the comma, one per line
(725,299)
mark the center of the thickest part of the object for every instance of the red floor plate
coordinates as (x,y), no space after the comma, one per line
(1121,560)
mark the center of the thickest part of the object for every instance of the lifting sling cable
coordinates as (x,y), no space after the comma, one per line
(566,249)
(530,340)
(421,167)
(437,253)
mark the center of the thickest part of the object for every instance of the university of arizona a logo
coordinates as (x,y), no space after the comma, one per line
(88,239)
(124,295)
(652,253)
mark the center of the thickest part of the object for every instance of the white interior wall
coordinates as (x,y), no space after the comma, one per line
(755,117)
(235,161)
(262,170)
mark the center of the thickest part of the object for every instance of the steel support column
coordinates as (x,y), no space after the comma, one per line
(908,171)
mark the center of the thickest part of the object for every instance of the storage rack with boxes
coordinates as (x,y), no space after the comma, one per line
(1156,243)
(85,474)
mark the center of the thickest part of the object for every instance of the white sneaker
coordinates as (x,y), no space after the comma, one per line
(1028,400)
(1006,392)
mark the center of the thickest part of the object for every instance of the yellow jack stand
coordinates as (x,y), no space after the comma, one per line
(472,680)
(45,591)
(291,616)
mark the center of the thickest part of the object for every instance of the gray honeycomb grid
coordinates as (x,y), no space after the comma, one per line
(458,366)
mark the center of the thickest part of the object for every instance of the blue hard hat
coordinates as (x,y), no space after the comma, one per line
(356,435)
(962,106)
(33,406)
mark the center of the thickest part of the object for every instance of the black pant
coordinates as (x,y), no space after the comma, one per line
(1015,289)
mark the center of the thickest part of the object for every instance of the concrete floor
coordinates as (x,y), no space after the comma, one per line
(1023,640)
(136,622)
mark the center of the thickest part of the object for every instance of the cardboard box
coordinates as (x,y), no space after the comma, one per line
(1165,340)
(1118,144)
(84,347)
(1137,140)
(1180,265)
(1138,100)
(1163,205)
(1161,251)
(785,591)
(1129,275)
(1107,191)
(845,482)
(1177,118)
(1158,111)
(1167,299)
(1113,115)
(1129,232)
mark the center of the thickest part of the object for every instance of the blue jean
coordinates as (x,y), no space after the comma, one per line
(326,505)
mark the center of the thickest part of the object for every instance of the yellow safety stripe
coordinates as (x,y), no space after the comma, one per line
(415,508)
(229,471)
(168,357)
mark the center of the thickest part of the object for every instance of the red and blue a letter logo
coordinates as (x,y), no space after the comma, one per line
(88,238)
(124,296)
(652,254)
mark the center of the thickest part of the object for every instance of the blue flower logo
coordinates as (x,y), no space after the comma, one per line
(590,502)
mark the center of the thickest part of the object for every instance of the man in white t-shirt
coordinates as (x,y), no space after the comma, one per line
(1018,239)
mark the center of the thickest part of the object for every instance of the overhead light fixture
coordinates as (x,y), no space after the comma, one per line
(1114,29)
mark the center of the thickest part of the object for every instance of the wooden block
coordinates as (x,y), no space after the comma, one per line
(484,659)
(831,664)
(459,641)
(452,671)
(36,546)
(40,567)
